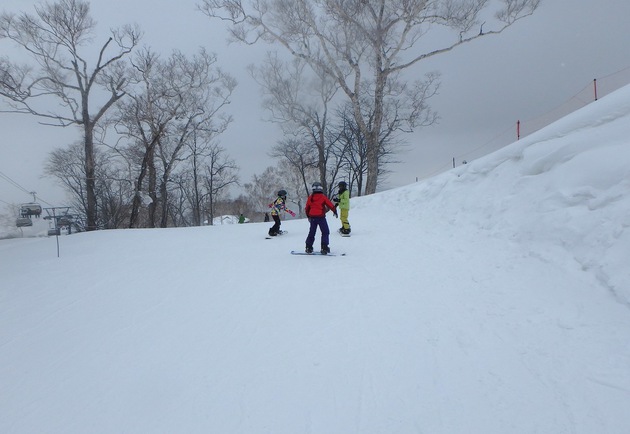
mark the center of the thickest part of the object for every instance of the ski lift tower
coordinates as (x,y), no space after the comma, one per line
(61,218)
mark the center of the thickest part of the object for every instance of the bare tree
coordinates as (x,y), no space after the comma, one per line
(299,156)
(194,192)
(349,144)
(182,210)
(53,37)
(204,90)
(113,188)
(299,101)
(143,118)
(177,101)
(207,172)
(220,173)
(364,44)
(178,210)
(66,166)
(298,180)
(263,188)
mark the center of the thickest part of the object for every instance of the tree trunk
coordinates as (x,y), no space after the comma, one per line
(197,215)
(164,198)
(321,152)
(152,192)
(372,163)
(374,134)
(90,175)
(137,198)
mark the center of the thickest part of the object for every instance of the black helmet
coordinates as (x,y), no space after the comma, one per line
(343,184)
(282,193)
(317,187)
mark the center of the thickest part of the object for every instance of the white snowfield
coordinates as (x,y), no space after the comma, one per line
(493,299)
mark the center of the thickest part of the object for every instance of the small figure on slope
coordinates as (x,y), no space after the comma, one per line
(342,201)
(317,205)
(277,207)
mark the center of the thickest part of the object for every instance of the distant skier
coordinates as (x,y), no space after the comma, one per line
(342,201)
(277,207)
(241,219)
(317,205)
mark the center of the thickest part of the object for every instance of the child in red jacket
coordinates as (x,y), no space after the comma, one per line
(317,205)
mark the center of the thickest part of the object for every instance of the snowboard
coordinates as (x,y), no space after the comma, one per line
(295,252)
(342,234)
(279,234)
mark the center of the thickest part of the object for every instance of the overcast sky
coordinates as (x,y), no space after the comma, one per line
(531,69)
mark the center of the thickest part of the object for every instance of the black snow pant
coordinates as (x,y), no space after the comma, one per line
(276,226)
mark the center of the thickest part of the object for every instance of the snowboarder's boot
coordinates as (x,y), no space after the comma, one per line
(309,249)
(325,250)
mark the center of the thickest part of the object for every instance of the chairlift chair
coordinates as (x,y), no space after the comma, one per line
(22,222)
(65,220)
(30,209)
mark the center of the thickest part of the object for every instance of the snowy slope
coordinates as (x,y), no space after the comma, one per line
(492,299)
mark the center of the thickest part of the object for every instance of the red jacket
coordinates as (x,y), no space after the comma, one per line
(317,205)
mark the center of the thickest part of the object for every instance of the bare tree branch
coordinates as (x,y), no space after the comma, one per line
(363,44)
(53,37)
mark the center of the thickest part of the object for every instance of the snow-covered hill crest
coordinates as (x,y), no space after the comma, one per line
(566,186)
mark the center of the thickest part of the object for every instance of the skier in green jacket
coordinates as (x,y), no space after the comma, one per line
(342,200)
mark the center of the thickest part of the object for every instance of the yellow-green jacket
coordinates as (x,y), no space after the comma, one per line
(344,200)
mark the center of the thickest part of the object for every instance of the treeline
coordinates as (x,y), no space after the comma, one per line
(150,154)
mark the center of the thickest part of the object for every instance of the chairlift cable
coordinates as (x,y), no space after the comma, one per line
(12,182)
(18,186)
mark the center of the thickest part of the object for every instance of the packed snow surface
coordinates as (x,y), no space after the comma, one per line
(492,299)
